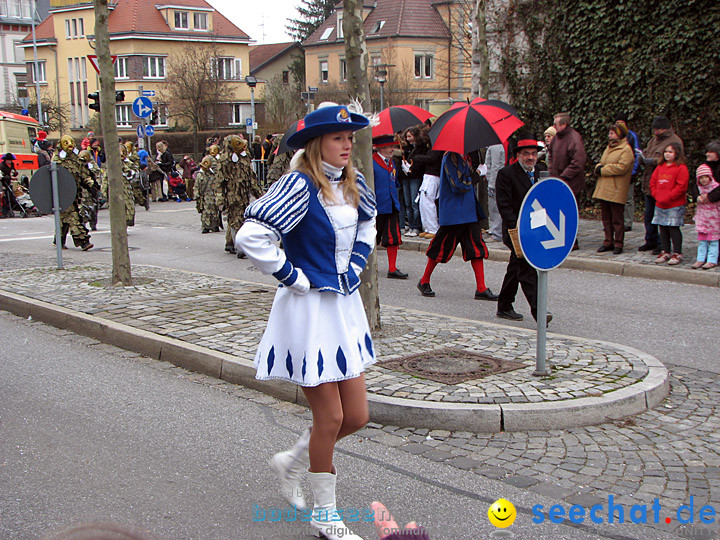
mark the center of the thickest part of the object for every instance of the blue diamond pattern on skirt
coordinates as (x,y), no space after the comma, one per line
(320,364)
(369,345)
(304,367)
(289,364)
(271,359)
(341,361)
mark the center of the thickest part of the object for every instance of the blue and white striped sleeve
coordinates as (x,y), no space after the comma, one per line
(365,239)
(283,206)
(367,208)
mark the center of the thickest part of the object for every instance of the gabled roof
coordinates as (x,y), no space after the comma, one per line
(402,18)
(142,18)
(261,55)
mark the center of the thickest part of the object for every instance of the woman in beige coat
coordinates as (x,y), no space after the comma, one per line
(614,172)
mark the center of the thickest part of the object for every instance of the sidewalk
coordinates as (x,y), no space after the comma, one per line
(631,262)
(212,325)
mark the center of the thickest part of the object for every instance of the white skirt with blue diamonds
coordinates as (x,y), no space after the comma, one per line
(316,338)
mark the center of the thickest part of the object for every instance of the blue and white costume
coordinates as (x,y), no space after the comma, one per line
(322,336)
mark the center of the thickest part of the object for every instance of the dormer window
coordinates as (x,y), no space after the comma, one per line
(201,21)
(326,33)
(378,26)
(181,20)
(340,33)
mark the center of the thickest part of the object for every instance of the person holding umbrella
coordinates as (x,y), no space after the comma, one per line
(459,216)
(512,184)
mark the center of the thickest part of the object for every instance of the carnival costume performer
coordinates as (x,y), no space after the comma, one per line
(317,334)
(205,196)
(130,174)
(237,183)
(70,218)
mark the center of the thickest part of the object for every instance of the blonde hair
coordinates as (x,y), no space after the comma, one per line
(310,163)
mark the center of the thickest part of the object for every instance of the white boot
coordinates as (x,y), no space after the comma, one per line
(290,467)
(324,510)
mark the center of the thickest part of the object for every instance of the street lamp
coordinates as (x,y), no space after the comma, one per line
(252,83)
(381,74)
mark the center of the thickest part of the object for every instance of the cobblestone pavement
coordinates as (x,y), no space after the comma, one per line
(669,453)
(230,316)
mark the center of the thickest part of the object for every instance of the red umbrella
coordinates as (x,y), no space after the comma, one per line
(478,124)
(398,118)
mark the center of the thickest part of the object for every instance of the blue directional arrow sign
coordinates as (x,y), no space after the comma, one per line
(142,107)
(548,223)
(149,131)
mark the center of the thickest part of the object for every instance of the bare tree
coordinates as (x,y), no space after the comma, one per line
(121,272)
(357,61)
(197,84)
(480,71)
(283,104)
(55,116)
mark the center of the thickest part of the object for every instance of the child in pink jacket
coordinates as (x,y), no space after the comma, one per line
(707,221)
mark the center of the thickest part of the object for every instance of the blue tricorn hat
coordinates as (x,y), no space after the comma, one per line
(328,119)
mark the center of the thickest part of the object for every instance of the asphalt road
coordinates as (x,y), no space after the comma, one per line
(91,433)
(672,321)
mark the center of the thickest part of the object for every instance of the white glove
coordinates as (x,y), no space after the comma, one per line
(482,169)
(405,167)
(301,285)
(357,268)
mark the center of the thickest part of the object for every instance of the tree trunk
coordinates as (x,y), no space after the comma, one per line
(118,226)
(480,61)
(359,88)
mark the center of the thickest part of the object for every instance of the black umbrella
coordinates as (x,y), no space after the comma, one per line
(283,147)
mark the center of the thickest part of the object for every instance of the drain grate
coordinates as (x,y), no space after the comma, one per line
(450,365)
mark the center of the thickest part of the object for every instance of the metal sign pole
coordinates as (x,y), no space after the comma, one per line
(541,351)
(56,212)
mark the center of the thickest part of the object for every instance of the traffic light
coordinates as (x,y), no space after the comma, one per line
(154,117)
(95,97)
(119,95)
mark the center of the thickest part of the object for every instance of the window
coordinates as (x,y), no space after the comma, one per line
(121,68)
(77,80)
(375,61)
(154,68)
(324,71)
(340,33)
(424,66)
(326,33)
(240,111)
(15,8)
(343,69)
(74,28)
(41,71)
(227,68)
(378,26)
(122,115)
(19,52)
(181,19)
(200,21)
(286,77)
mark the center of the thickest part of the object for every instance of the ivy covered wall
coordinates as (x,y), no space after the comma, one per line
(595,58)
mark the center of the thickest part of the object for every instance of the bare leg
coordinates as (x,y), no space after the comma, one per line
(353,397)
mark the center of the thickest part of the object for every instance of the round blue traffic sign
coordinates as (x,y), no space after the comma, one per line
(548,223)
(149,131)
(142,107)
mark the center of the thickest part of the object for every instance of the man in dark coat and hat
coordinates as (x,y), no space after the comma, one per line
(512,184)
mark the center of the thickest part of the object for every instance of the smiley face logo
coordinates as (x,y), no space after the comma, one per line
(502,513)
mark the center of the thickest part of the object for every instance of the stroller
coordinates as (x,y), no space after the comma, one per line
(16,198)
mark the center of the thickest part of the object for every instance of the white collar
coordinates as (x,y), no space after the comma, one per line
(332,172)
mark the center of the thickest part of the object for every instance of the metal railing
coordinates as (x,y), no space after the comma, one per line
(260,168)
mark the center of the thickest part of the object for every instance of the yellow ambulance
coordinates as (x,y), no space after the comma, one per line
(16,135)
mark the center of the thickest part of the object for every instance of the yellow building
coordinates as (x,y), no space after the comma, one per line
(410,41)
(147,38)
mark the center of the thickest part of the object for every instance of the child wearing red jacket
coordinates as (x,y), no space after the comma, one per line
(668,186)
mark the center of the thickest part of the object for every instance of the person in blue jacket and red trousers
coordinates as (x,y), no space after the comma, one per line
(388,204)
(459,216)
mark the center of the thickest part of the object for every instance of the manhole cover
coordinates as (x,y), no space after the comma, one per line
(450,366)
